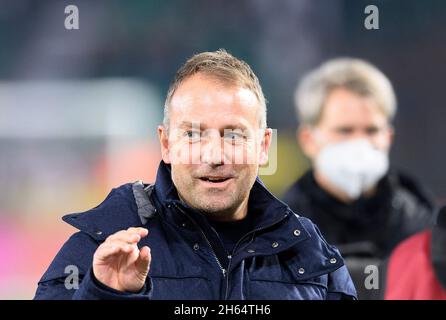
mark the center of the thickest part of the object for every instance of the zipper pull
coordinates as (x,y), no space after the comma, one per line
(224,272)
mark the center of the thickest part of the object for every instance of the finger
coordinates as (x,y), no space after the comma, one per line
(125,236)
(107,250)
(143,232)
(144,259)
(130,235)
(124,246)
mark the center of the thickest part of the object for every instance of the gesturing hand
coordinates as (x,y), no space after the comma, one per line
(119,264)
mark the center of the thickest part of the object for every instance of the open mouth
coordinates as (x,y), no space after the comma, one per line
(215,179)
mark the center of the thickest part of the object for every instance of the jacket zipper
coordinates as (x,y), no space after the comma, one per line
(223,270)
(235,249)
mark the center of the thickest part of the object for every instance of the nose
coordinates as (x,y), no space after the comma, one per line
(359,135)
(212,151)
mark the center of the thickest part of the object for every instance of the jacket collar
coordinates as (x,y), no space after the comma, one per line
(117,212)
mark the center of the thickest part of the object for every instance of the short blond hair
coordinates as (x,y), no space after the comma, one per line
(355,75)
(222,66)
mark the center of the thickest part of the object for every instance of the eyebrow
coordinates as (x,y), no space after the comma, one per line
(190,124)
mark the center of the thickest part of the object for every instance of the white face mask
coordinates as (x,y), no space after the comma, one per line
(353,166)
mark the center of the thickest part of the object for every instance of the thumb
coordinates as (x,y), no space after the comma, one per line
(143,261)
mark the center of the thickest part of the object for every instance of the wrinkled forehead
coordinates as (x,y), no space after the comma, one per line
(213,104)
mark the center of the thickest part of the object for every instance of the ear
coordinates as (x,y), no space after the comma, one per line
(305,136)
(390,136)
(163,137)
(264,146)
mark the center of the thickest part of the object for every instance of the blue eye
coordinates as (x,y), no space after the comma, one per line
(234,136)
(192,135)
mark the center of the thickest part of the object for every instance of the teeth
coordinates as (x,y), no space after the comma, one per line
(215,179)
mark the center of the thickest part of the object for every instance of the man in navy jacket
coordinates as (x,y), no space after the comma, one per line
(208,228)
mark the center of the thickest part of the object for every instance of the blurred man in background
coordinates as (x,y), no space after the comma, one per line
(345,110)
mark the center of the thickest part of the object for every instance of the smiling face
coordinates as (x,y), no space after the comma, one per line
(214,145)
